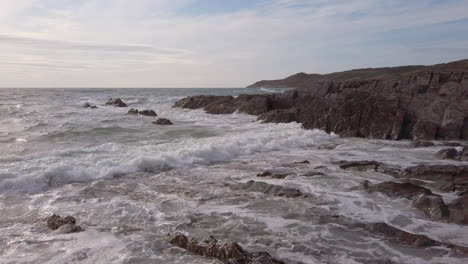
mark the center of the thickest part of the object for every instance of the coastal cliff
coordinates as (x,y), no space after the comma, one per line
(428,103)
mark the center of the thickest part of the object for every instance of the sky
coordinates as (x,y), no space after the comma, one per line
(218,43)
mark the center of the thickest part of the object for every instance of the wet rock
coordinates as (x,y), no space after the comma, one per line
(116,102)
(88,105)
(328,146)
(163,122)
(464,154)
(227,252)
(413,240)
(364,165)
(133,112)
(422,144)
(459,210)
(395,189)
(447,178)
(269,189)
(148,113)
(301,162)
(432,205)
(450,153)
(64,225)
(313,174)
(278,116)
(272,175)
(452,144)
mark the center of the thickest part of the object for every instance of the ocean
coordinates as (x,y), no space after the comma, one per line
(129,183)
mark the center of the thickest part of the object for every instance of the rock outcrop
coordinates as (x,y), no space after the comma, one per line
(143,112)
(163,122)
(226,252)
(431,103)
(116,102)
(63,225)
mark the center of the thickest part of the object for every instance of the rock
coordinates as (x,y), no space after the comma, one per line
(396,189)
(464,154)
(413,240)
(63,225)
(328,146)
(116,102)
(459,210)
(422,144)
(88,105)
(269,189)
(163,122)
(227,252)
(272,175)
(452,144)
(313,174)
(432,205)
(450,153)
(148,113)
(365,165)
(426,104)
(447,178)
(133,112)
(301,162)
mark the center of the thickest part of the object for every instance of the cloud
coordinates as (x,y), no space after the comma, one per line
(157,43)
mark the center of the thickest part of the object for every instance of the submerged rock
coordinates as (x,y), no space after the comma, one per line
(116,102)
(365,165)
(269,189)
(148,113)
(459,210)
(395,189)
(422,144)
(64,225)
(432,205)
(133,112)
(227,252)
(450,153)
(447,177)
(88,105)
(272,175)
(163,122)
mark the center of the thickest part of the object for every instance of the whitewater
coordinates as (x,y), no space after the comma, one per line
(130,182)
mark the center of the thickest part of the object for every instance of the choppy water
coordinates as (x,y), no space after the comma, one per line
(130,182)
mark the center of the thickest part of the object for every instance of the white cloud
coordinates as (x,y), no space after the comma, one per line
(149,43)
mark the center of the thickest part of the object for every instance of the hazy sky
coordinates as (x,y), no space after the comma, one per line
(218,43)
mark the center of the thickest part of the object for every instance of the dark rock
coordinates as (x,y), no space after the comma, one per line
(163,121)
(447,154)
(116,102)
(447,178)
(133,112)
(464,154)
(269,189)
(301,162)
(422,105)
(88,105)
(422,144)
(459,210)
(413,240)
(227,252)
(452,144)
(63,225)
(272,175)
(395,189)
(148,113)
(328,146)
(365,165)
(433,206)
(313,174)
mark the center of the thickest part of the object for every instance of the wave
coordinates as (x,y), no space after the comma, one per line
(154,158)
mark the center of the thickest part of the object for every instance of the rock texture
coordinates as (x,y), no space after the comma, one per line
(227,252)
(63,225)
(116,102)
(269,189)
(163,122)
(429,103)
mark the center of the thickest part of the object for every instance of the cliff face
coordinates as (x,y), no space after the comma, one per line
(429,104)
(303,80)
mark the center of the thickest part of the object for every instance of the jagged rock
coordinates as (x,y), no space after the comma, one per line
(395,189)
(148,113)
(422,144)
(459,210)
(133,112)
(227,252)
(88,105)
(424,105)
(364,165)
(163,122)
(269,189)
(432,205)
(450,153)
(116,102)
(447,178)
(63,225)
(272,175)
